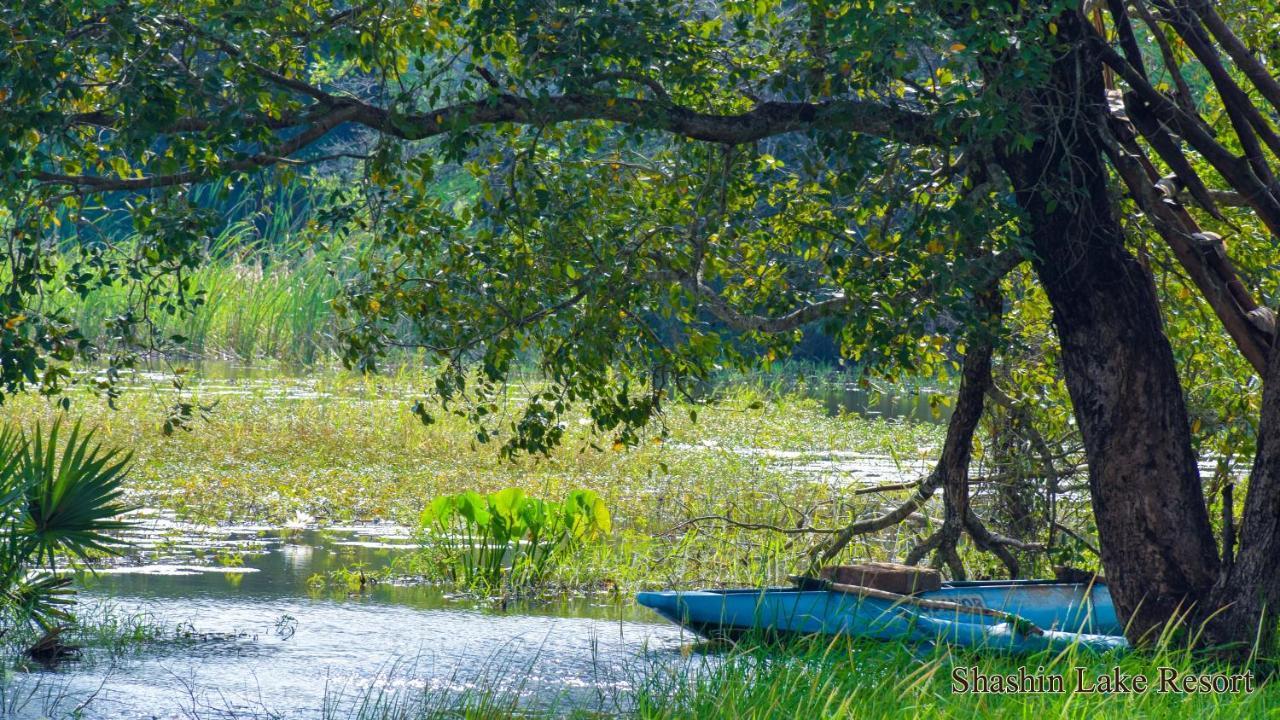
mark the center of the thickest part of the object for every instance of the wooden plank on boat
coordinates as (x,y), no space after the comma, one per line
(1068,574)
(891,577)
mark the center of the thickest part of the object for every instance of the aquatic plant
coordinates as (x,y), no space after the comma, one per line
(355,578)
(255,301)
(482,540)
(53,504)
(333,444)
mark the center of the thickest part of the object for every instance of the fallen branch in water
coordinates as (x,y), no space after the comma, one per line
(887,488)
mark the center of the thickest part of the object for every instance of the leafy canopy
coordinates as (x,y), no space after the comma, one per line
(662,188)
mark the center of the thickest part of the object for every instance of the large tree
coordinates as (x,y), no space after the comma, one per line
(645,166)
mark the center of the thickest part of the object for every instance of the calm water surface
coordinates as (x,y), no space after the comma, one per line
(257,640)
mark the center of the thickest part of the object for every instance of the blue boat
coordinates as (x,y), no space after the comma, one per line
(1018,616)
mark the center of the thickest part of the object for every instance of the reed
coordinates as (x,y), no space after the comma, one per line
(260,301)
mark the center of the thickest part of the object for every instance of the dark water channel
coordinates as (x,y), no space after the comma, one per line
(244,633)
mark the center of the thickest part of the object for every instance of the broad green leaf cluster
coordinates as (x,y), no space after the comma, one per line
(507,539)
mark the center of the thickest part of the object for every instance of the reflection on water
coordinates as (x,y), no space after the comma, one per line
(849,398)
(259,640)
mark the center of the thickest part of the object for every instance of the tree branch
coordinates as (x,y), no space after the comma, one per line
(316,130)
(726,520)
(766,119)
(996,268)
(747,322)
(1249,123)
(1238,172)
(1184,96)
(1239,53)
(1178,229)
(232,50)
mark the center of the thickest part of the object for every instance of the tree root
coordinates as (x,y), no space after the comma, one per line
(951,472)
(943,543)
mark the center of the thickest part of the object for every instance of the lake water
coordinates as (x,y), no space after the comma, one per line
(838,392)
(245,632)
(246,635)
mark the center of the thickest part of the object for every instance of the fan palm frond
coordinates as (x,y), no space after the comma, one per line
(71,501)
(55,499)
(11,491)
(42,598)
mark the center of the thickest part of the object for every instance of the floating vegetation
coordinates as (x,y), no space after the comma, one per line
(332,448)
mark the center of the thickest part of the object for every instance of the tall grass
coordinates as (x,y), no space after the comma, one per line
(843,678)
(824,677)
(261,300)
(268,291)
(497,692)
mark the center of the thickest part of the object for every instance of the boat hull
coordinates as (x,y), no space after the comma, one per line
(1069,613)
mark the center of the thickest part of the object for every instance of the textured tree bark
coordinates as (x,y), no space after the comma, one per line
(1157,545)
(1242,608)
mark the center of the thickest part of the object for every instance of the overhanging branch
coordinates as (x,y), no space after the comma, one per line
(279,154)
(765,120)
(992,270)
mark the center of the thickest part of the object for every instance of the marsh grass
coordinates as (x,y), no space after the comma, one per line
(340,447)
(99,635)
(117,630)
(818,677)
(395,696)
(259,301)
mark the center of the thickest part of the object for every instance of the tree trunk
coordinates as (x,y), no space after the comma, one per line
(1157,545)
(952,469)
(1242,608)
(957,449)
